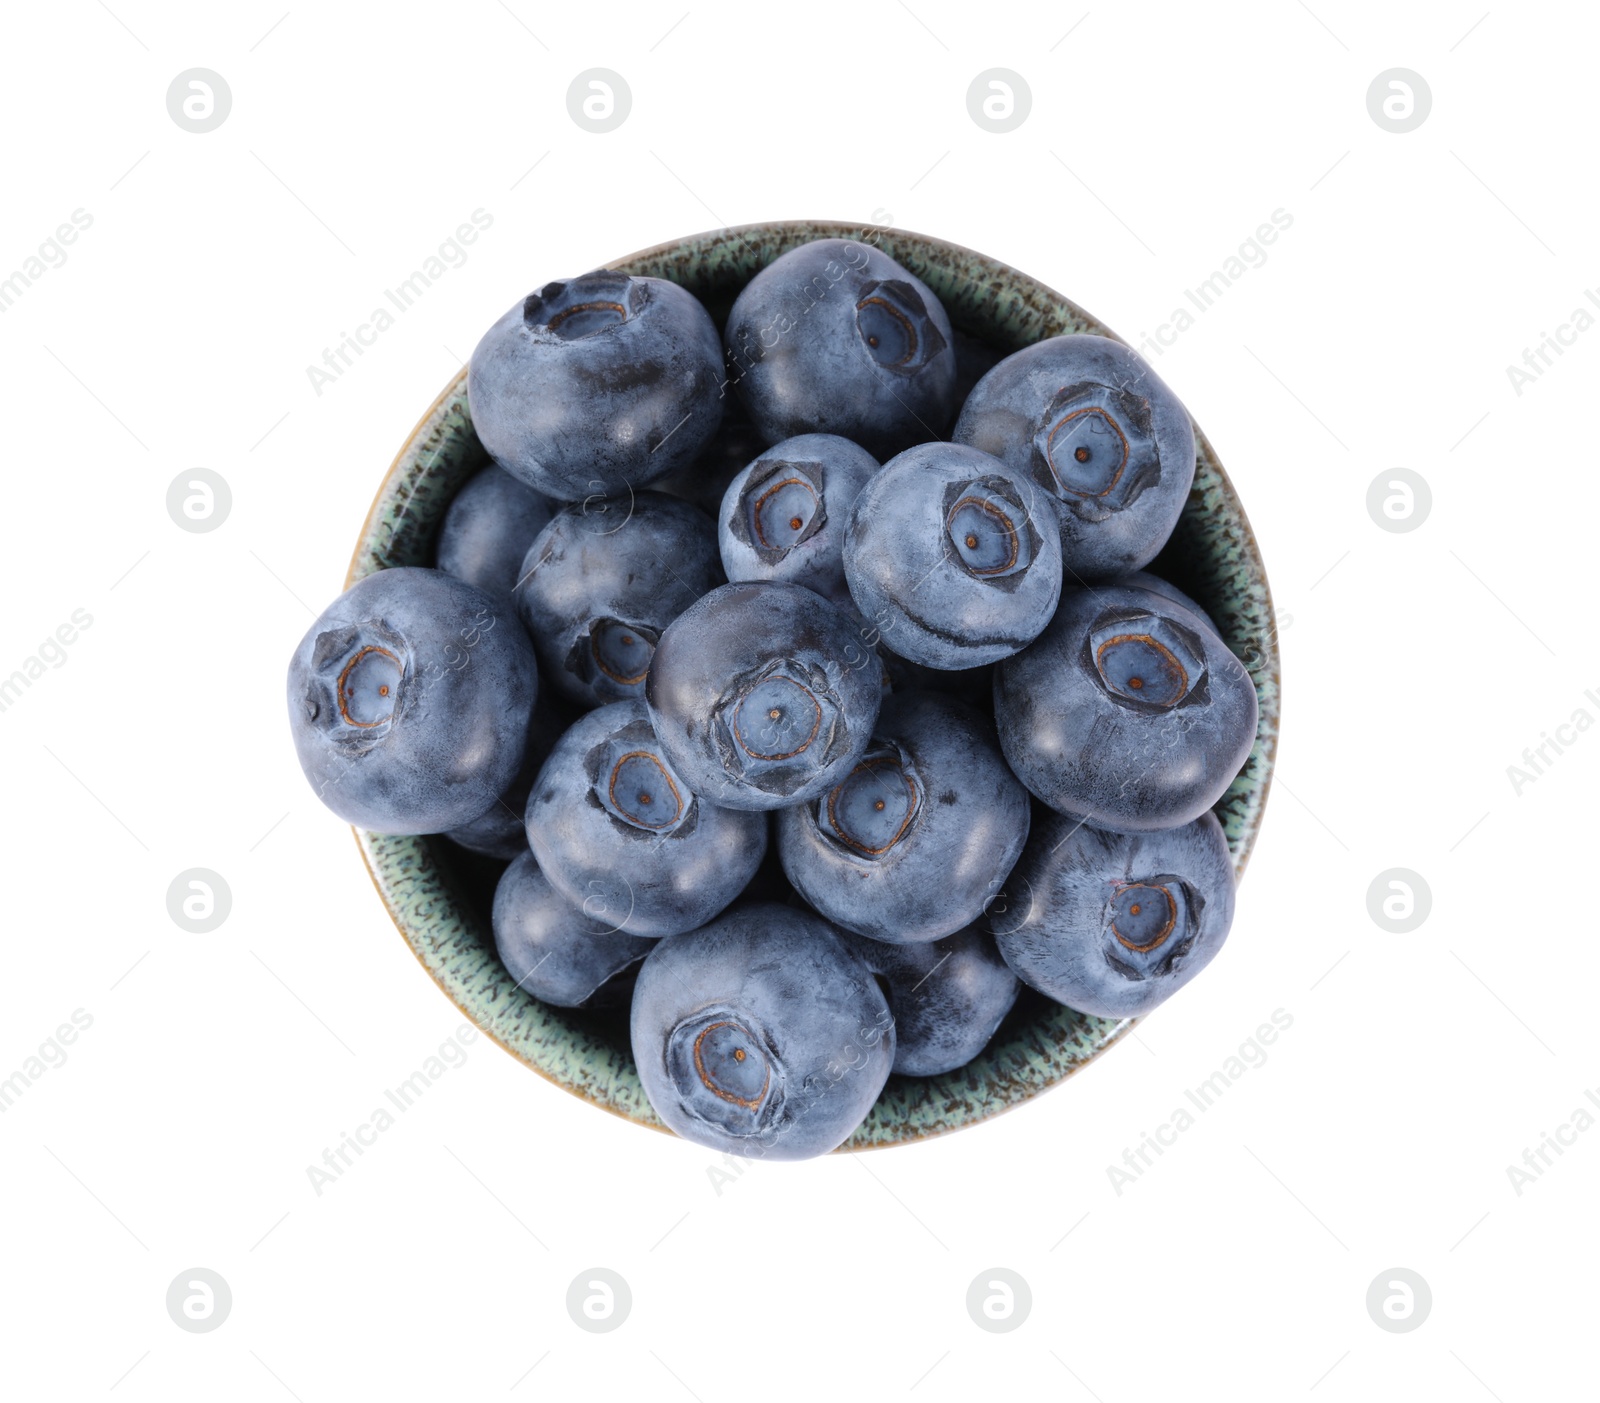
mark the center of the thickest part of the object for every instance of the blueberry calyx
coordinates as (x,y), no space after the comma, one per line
(632,782)
(1095,448)
(582,307)
(778,726)
(777,719)
(1143,914)
(1145,661)
(982,527)
(615,649)
(726,1071)
(875,805)
(895,328)
(783,507)
(989,533)
(642,791)
(357,679)
(1149,925)
(727,1058)
(369,686)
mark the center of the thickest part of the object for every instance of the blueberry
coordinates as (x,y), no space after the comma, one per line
(947,996)
(836,337)
(597,385)
(762,1034)
(618,832)
(409,700)
(1088,421)
(1128,711)
(602,581)
(762,695)
(553,949)
(488,528)
(499,831)
(784,516)
(954,556)
(913,842)
(1113,924)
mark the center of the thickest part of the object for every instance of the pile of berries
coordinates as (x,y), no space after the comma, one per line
(767,662)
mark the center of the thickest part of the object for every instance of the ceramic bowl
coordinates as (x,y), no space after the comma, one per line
(439,896)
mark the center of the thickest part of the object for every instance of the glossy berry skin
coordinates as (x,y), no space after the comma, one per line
(601,582)
(835,337)
(409,700)
(499,831)
(955,557)
(913,842)
(1091,424)
(488,528)
(947,996)
(553,949)
(1128,711)
(784,516)
(754,699)
(618,832)
(762,1034)
(1113,924)
(597,385)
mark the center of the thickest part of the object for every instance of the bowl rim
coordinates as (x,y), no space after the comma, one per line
(1267,660)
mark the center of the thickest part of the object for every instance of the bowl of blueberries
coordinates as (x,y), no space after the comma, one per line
(802,687)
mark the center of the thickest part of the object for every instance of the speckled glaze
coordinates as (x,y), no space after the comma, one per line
(439,899)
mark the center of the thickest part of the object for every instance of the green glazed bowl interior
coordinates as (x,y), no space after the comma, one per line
(439,896)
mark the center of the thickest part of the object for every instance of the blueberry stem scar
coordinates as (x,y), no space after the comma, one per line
(1166,656)
(627,640)
(795,523)
(1081,454)
(899,316)
(870,767)
(1162,934)
(565,312)
(344,678)
(711,1086)
(1008,526)
(775,714)
(644,797)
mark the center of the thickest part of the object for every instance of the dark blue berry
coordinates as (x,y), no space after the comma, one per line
(488,528)
(556,951)
(913,842)
(1092,425)
(597,385)
(409,700)
(1114,924)
(763,695)
(835,337)
(762,1034)
(1128,711)
(784,516)
(947,996)
(953,556)
(619,833)
(603,580)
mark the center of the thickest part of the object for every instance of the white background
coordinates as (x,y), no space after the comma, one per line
(1417,667)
